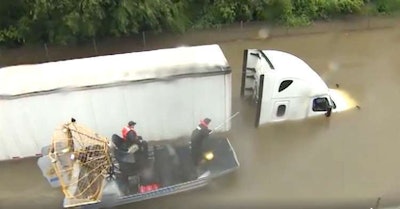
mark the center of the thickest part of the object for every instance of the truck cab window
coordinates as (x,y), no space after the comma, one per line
(320,104)
(281,110)
(284,85)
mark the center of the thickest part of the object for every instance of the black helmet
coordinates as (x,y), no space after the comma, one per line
(131,123)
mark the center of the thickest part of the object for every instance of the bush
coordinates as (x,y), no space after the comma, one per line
(302,12)
(388,6)
(67,21)
(324,9)
(11,37)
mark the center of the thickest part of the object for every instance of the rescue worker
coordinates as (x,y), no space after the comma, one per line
(198,136)
(131,137)
(126,129)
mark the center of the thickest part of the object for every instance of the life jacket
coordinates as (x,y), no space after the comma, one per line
(125,131)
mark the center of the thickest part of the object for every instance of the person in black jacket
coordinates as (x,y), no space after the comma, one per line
(198,136)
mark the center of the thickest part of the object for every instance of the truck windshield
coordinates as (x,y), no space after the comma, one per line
(320,104)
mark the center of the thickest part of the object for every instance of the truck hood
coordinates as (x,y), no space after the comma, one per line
(342,100)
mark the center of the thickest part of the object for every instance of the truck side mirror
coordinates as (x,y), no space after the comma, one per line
(328,111)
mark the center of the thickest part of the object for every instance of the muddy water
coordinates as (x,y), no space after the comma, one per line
(346,161)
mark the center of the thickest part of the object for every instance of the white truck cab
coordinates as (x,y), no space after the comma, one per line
(284,87)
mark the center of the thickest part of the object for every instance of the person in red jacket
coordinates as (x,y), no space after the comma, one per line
(126,129)
(198,136)
(131,137)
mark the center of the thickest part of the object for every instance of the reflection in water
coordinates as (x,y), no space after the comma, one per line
(263,33)
(349,159)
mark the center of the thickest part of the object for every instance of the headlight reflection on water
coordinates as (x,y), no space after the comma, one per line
(342,99)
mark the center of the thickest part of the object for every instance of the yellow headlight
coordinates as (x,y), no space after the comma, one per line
(209,155)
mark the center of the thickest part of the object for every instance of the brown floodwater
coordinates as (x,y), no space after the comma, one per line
(346,161)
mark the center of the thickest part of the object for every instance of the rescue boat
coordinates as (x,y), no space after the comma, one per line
(95,172)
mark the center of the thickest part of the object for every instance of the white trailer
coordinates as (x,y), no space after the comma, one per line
(284,88)
(165,91)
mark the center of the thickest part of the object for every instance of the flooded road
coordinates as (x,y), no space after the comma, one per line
(346,161)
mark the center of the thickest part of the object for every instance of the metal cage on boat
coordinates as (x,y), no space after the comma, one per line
(81,160)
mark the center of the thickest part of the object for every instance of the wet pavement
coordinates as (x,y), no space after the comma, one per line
(346,161)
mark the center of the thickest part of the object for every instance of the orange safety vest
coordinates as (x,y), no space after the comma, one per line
(125,131)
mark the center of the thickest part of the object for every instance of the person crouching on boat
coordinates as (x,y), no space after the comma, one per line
(198,136)
(133,140)
(126,129)
(130,137)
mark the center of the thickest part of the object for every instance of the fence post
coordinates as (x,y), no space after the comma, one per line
(1,58)
(95,46)
(46,51)
(144,39)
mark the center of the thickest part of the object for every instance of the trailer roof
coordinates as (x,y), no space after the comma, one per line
(111,69)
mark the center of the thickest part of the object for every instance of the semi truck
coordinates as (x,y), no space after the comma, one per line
(284,87)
